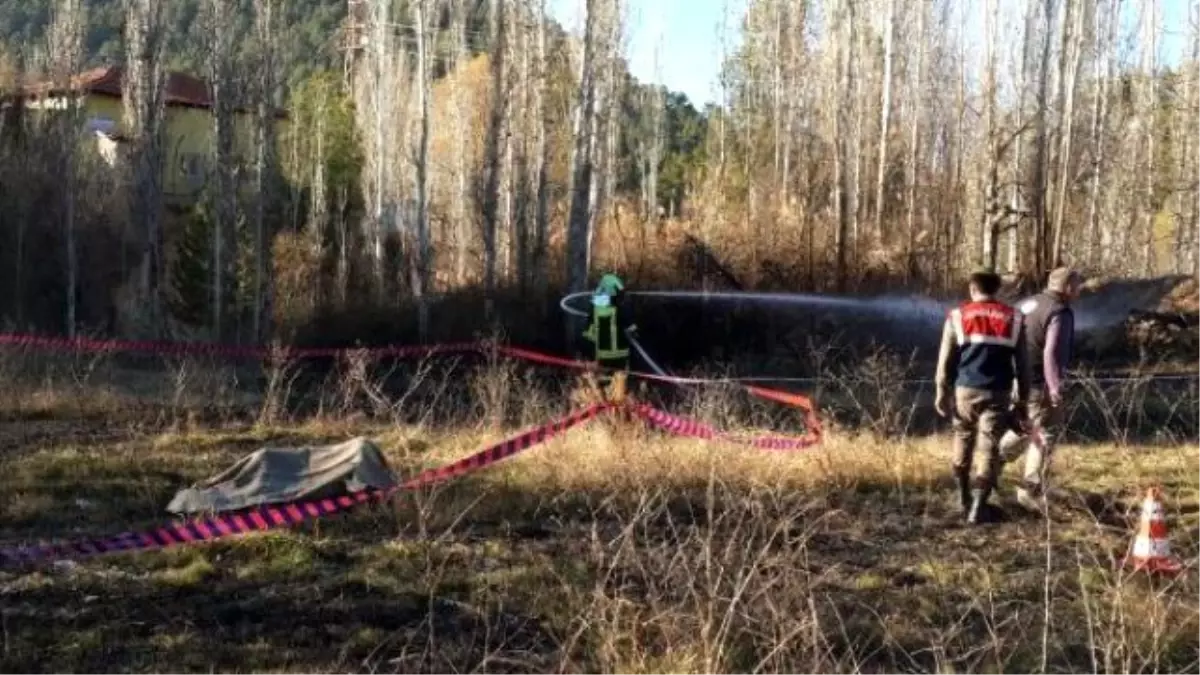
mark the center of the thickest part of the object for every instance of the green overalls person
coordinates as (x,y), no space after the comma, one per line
(609,327)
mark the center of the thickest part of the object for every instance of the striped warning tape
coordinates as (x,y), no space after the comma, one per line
(259,519)
(269,517)
(395,351)
(234,351)
(682,426)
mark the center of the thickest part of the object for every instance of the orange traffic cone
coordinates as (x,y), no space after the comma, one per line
(1151,549)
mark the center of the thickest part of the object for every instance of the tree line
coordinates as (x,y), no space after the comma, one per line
(460,149)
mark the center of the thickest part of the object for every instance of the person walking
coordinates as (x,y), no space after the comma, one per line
(982,353)
(1049,346)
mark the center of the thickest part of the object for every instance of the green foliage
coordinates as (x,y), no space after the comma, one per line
(686,130)
(307,35)
(308,46)
(322,118)
(189,296)
(683,130)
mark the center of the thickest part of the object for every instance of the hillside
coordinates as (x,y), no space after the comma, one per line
(308,30)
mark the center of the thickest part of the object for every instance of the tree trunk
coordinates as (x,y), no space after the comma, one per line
(1188,252)
(1072,56)
(142,84)
(221,69)
(1018,164)
(885,110)
(1103,74)
(459,204)
(912,171)
(497,128)
(579,221)
(856,64)
(541,232)
(419,272)
(1149,124)
(65,49)
(991,198)
(1041,152)
(841,154)
(266,27)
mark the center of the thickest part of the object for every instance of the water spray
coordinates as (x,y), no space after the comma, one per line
(894,307)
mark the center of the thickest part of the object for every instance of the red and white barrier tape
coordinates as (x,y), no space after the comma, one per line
(682,426)
(395,351)
(270,517)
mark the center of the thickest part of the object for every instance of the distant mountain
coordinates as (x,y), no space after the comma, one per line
(307,38)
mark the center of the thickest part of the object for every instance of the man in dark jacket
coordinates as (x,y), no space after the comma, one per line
(982,354)
(1050,333)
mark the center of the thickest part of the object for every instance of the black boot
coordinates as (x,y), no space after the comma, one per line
(964,489)
(979,505)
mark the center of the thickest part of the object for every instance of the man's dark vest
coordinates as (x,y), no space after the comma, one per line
(1038,311)
(986,333)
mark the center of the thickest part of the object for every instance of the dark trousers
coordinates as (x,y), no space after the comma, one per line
(980,419)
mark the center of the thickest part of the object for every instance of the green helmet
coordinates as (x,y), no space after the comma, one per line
(610,284)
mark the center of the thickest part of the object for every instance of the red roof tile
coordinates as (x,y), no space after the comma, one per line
(181,89)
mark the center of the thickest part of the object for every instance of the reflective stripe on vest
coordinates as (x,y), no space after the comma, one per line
(986,323)
(606,351)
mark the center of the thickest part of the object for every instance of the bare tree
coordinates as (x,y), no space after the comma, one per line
(650,141)
(844,13)
(611,85)
(318,210)
(1149,124)
(378,85)
(1016,201)
(497,130)
(587,130)
(793,59)
(1073,13)
(991,218)
(419,276)
(541,149)
(518,152)
(220,25)
(65,48)
(266,27)
(916,101)
(885,111)
(458,28)
(1038,188)
(142,95)
(1183,124)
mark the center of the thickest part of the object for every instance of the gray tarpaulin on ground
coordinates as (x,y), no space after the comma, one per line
(275,475)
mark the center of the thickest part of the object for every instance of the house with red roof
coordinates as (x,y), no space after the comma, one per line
(188,123)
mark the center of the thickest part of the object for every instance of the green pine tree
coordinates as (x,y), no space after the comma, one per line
(189,293)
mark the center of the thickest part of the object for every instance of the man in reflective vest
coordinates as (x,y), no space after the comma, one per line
(609,327)
(982,353)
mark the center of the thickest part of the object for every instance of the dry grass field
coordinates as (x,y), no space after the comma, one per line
(611,548)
